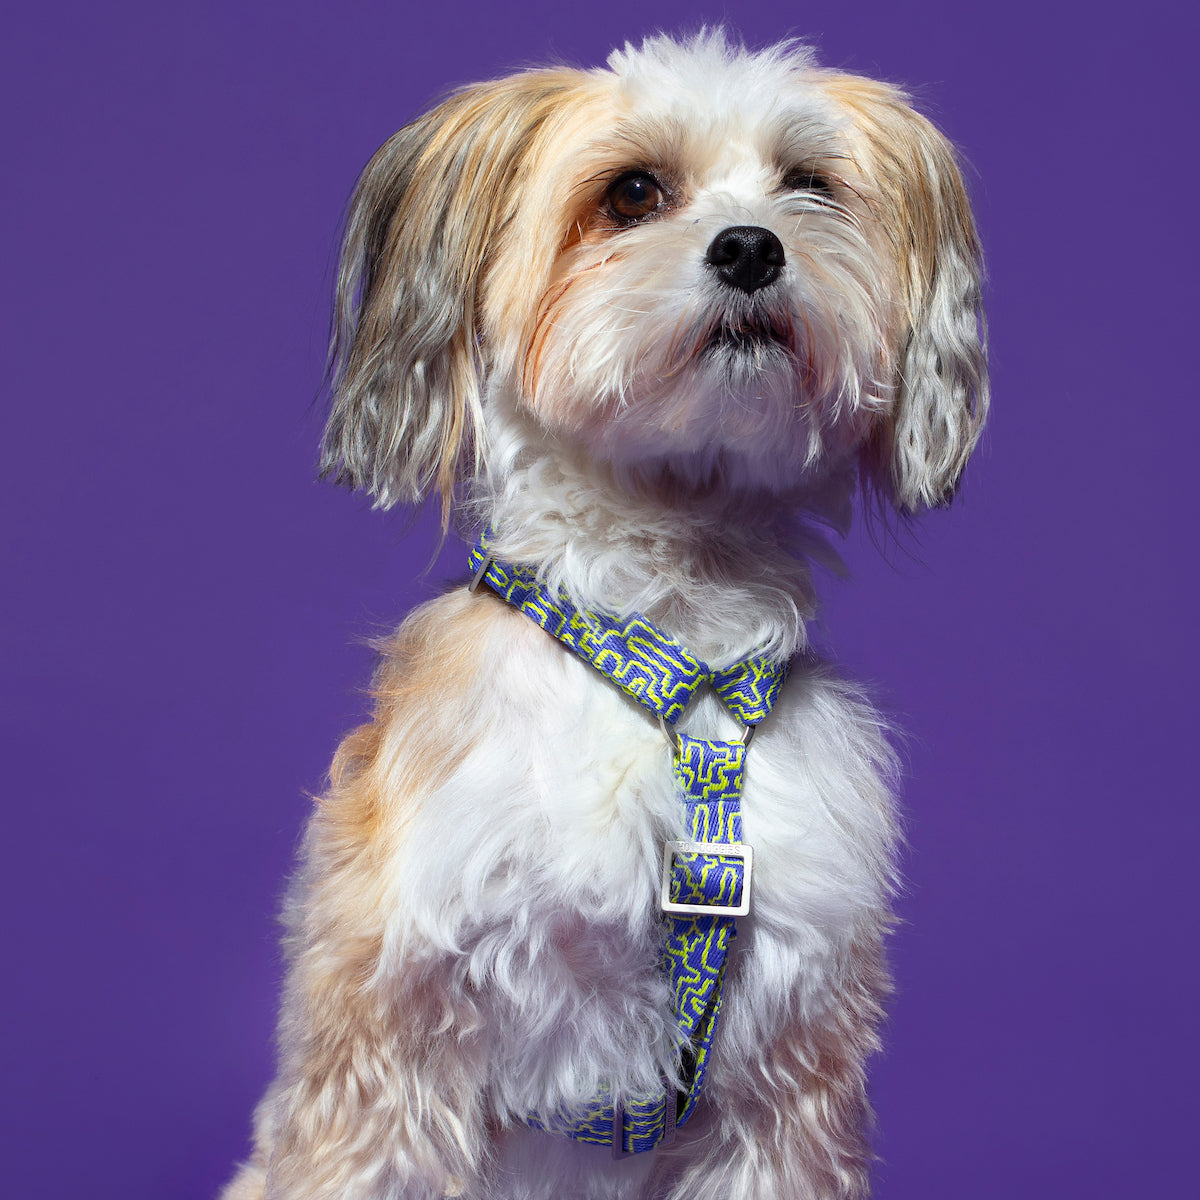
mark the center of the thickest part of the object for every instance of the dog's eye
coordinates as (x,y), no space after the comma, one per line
(808,179)
(634,196)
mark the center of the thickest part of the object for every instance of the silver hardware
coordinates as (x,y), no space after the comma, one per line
(670,1115)
(673,738)
(669,733)
(477,578)
(721,849)
(618,1132)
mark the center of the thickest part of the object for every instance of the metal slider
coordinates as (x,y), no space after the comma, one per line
(670,1115)
(618,1132)
(477,578)
(673,738)
(669,733)
(718,849)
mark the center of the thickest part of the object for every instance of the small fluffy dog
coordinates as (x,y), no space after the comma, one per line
(561,929)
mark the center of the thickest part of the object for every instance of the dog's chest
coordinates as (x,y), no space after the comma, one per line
(539,862)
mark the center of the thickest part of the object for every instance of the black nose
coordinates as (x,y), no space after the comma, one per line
(746,257)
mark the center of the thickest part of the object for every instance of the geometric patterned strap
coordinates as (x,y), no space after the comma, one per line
(642,660)
(639,658)
(660,674)
(748,688)
(709,775)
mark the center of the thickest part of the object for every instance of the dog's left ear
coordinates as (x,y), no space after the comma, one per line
(941,387)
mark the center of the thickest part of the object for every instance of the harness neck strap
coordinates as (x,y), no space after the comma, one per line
(641,659)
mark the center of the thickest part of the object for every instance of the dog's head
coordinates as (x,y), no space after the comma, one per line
(728,266)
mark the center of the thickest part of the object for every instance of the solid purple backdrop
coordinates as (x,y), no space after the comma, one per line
(184,610)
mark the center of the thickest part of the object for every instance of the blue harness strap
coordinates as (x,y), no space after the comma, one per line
(706,879)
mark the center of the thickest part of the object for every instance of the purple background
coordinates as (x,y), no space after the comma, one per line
(184,610)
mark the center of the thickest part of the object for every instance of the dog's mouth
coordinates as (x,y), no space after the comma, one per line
(750,335)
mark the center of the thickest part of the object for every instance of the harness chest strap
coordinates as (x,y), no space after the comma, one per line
(705,880)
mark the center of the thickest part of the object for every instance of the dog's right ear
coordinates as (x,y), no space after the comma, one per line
(406,362)
(941,386)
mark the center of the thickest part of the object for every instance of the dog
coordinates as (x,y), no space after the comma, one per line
(562,927)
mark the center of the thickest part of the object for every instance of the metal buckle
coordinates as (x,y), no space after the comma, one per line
(669,730)
(669,733)
(618,1132)
(477,578)
(722,850)
(670,1115)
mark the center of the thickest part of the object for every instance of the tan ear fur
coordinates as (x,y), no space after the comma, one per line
(425,218)
(942,380)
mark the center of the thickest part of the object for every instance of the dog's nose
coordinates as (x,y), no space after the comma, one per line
(746,257)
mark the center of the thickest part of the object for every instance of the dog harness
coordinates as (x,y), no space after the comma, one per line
(706,879)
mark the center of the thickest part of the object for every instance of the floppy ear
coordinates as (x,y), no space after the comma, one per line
(405,358)
(941,386)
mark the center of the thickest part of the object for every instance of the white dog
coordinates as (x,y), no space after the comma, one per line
(561,929)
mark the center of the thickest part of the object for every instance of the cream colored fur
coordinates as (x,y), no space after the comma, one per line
(473,930)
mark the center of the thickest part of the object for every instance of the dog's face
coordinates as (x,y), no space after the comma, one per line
(734,268)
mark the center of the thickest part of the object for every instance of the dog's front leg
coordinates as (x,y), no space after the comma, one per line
(787,1120)
(381,1083)
(379,1096)
(383,1103)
